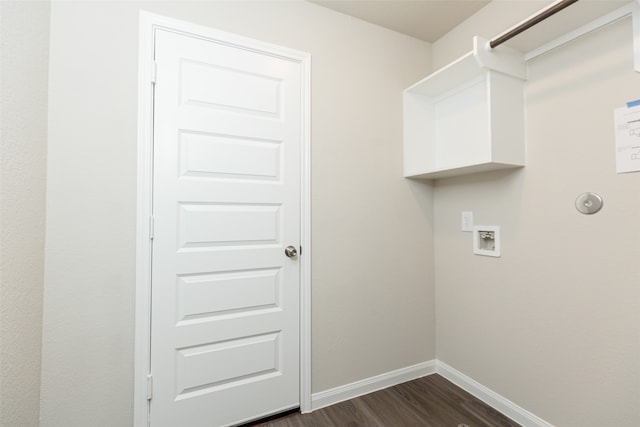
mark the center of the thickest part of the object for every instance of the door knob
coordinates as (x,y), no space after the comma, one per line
(290,251)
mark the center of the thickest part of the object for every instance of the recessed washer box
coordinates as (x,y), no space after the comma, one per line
(486,240)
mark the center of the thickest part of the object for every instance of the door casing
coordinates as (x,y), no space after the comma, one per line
(149,23)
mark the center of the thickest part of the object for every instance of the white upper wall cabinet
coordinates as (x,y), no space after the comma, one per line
(468,116)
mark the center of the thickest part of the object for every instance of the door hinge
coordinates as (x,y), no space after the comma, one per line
(154,72)
(149,387)
(151,228)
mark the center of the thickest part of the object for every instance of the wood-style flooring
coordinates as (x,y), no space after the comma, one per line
(431,401)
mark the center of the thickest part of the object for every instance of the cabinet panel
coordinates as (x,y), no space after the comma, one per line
(467,117)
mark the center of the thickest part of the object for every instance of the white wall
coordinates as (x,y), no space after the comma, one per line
(553,324)
(24,31)
(371,229)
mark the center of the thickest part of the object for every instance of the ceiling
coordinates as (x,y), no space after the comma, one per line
(427,20)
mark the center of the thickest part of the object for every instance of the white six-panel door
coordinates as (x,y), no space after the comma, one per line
(226,202)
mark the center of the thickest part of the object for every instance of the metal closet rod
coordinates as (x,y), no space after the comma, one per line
(541,16)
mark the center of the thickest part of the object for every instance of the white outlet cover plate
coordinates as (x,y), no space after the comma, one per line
(466,221)
(477,240)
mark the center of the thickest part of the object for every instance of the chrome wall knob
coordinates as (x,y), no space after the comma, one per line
(290,251)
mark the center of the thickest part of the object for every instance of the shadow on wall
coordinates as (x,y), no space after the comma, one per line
(422,191)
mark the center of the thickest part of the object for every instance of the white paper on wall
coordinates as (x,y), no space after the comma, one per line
(627,128)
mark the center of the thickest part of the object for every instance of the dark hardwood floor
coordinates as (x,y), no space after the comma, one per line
(429,401)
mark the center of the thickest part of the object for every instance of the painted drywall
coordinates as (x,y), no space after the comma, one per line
(24,33)
(372,240)
(552,325)
(491,20)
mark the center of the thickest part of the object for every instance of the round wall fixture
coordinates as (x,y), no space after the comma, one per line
(588,203)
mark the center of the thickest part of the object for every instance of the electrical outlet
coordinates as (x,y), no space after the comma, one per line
(466,221)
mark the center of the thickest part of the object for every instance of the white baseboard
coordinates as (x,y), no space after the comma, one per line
(369,385)
(379,382)
(491,398)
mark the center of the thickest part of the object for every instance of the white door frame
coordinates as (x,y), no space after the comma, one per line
(149,23)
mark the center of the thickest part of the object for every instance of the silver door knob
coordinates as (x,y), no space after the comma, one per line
(290,251)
